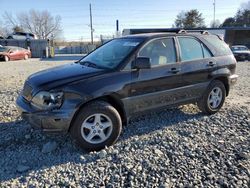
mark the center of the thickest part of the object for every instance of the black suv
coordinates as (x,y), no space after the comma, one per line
(93,97)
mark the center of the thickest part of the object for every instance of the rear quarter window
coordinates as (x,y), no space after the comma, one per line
(218,46)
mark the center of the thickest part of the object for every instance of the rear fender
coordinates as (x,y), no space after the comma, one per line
(222,75)
(223,72)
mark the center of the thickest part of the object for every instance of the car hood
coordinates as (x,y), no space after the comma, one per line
(61,75)
(242,52)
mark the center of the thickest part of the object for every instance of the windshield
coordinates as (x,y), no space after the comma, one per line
(239,48)
(111,54)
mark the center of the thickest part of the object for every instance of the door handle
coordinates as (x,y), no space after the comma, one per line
(211,64)
(174,70)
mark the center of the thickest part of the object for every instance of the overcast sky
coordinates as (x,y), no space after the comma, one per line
(131,13)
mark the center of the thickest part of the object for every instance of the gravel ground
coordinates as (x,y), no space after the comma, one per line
(177,147)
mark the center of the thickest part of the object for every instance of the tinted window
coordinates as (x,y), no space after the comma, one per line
(190,49)
(219,46)
(206,52)
(160,51)
(111,54)
(3,49)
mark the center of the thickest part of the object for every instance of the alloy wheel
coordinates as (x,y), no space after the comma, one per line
(96,128)
(215,98)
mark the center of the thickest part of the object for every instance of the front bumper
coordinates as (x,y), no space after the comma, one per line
(241,57)
(53,121)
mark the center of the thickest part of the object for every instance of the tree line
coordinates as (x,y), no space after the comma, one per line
(46,26)
(40,23)
(194,19)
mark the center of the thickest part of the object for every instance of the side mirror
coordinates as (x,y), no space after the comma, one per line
(141,63)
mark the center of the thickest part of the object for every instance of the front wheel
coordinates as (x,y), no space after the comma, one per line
(26,57)
(97,125)
(214,98)
(6,58)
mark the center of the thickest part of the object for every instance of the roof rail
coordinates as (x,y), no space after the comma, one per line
(203,32)
(167,30)
(182,31)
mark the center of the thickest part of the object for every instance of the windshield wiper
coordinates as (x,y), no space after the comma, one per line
(91,64)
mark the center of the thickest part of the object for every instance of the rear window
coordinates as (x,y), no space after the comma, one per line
(219,47)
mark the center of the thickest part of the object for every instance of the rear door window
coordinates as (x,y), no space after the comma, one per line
(190,49)
(207,53)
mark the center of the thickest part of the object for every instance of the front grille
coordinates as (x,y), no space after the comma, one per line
(27,91)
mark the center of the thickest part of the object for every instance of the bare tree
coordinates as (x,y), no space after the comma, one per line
(10,20)
(40,23)
(3,30)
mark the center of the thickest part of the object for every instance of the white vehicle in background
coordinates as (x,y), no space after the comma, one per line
(241,52)
(22,35)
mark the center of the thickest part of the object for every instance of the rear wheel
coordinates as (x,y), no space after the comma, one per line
(97,125)
(26,57)
(214,98)
(6,58)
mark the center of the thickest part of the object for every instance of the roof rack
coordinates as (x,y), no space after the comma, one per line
(168,30)
(203,32)
(182,31)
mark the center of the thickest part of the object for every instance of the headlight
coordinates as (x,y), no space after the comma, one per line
(47,100)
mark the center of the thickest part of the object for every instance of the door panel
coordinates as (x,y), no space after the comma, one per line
(149,87)
(195,73)
(14,54)
(195,66)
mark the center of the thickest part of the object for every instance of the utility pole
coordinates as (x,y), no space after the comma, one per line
(214,10)
(117,28)
(91,25)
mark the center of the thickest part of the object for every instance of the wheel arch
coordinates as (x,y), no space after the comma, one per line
(225,81)
(111,99)
(8,56)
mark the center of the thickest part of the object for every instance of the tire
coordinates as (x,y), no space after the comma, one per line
(6,58)
(213,99)
(92,120)
(26,57)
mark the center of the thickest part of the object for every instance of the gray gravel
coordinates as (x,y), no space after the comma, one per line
(177,147)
